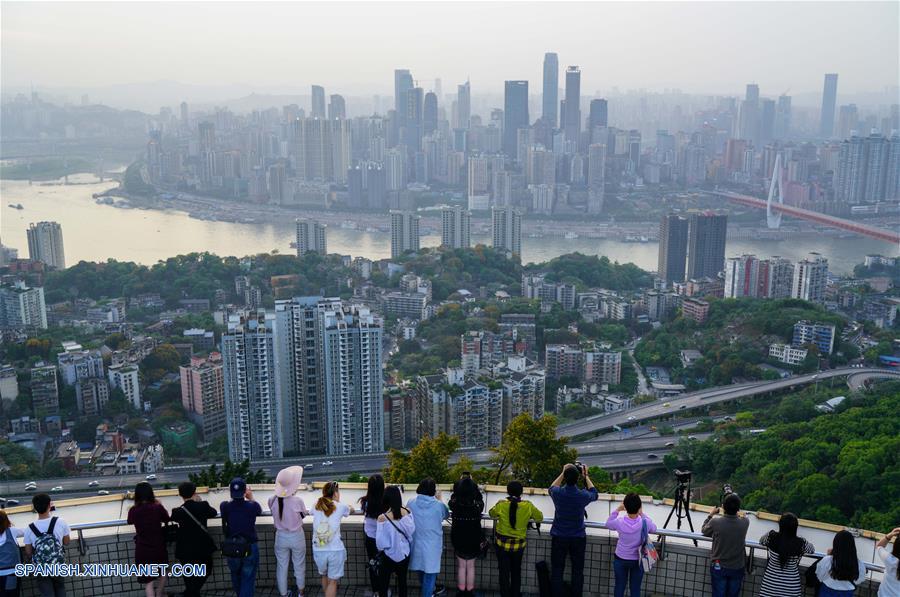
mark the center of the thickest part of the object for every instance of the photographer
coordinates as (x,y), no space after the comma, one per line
(729,534)
(567,534)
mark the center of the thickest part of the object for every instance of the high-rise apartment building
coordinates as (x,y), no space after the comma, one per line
(515,114)
(252,389)
(310,237)
(829,99)
(351,355)
(125,377)
(22,307)
(91,395)
(810,278)
(455,227)
(44,391)
(404,232)
(506,228)
(45,243)
(203,394)
(596,177)
(741,276)
(550,98)
(673,242)
(775,277)
(868,169)
(571,124)
(317,109)
(706,245)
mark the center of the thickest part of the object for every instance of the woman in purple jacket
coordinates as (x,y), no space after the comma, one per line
(627,563)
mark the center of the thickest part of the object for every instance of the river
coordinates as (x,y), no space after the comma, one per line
(95,232)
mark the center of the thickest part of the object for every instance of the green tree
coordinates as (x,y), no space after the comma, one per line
(220,477)
(530,451)
(429,458)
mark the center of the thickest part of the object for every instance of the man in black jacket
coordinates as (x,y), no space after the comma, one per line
(193,544)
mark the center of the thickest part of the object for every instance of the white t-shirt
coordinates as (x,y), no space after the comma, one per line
(823,572)
(59,531)
(890,584)
(329,539)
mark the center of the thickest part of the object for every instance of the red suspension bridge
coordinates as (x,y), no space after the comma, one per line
(814,216)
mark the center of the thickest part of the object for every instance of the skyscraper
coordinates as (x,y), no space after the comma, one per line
(741,276)
(203,394)
(783,117)
(515,114)
(354,407)
(749,115)
(572,118)
(403,82)
(413,120)
(829,99)
(317,109)
(45,243)
(598,114)
(550,99)
(252,392)
(810,278)
(404,232)
(21,307)
(706,245)
(337,107)
(310,237)
(596,177)
(430,114)
(868,169)
(463,105)
(506,228)
(455,227)
(673,240)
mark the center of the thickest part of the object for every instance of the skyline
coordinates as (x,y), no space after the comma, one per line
(663,46)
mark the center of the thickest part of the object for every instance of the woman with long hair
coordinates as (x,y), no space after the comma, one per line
(840,572)
(512,516)
(428,538)
(372,505)
(394,537)
(782,575)
(890,582)
(629,522)
(466,534)
(10,556)
(288,512)
(149,518)
(329,552)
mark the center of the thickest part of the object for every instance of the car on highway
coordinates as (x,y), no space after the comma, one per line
(310,465)
(103,492)
(652,456)
(667,405)
(631,418)
(692,437)
(670,444)
(12,502)
(30,486)
(150,477)
(93,483)
(56,489)
(682,407)
(327,463)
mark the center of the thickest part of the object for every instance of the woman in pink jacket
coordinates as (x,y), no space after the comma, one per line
(629,521)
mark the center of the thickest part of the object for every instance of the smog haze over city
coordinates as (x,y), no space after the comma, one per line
(660,240)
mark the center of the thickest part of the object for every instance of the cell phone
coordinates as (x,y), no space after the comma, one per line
(53,508)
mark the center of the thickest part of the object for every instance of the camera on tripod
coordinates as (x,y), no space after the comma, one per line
(682,476)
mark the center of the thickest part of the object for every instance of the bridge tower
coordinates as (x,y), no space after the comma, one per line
(773,218)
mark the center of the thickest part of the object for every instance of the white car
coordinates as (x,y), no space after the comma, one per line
(11,502)
(103,492)
(150,477)
(308,465)
(93,483)
(57,488)
(327,463)
(670,444)
(631,418)
(30,487)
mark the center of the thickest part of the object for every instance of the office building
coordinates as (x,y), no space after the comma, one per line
(810,279)
(337,107)
(317,109)
(429,114)
(252,388)
(45,243)
(22,307)
(783,117)
(749,117)
(404,233)
(506,228)
(829,100)
(479,182)
(455,227)
(403,82)
(463,105)
(571,116)
(673,242)
(741,276)
(706,245)
(515,114)
(310,237)
(598,115)
(550,98)
(819,334)
(125,377)
(351,354)
(203,394)
(44,391)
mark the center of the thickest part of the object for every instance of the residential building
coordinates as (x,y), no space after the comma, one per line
(45,244)
(91,395)
(787,354)
(476,415)
(695,309)
(810,279)
(563,360)
(523,388)
(310,237)
(78,364)
(741,276)
(404,233)
(819,334)
(673,243)
(9,386)
(203,394)
(21,307)
(602,366)
(829,99)
(506,228)
(455,227)
(44,391)
(775,278)
(405,305)
(706,245)
(125,377)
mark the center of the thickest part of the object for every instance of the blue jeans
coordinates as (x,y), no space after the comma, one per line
(243,572)
(829,592)
(428,580)
(628,573)
(726,582)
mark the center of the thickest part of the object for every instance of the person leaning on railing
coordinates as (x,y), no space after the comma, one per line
(193,543)
(149,518)
(890,583)
(631,528)
(567,533)
(782,575)
(239,524)
(841,571)
(428,538)
(10,556)
(727,556)
(288,512)
(512,515)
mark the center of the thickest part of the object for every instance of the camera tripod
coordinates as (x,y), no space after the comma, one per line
(681,507)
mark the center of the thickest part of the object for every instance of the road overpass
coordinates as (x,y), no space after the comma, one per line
(890,236)
(657,410)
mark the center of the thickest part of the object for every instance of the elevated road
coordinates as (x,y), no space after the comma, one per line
(890,236)
(657,410)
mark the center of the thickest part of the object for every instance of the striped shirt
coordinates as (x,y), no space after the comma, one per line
(778,581)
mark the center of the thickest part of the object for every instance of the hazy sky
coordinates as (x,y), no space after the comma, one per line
(353,48)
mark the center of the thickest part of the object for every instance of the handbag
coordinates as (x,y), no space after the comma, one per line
(376,563)
(234,546)
(812,581)
(649,554)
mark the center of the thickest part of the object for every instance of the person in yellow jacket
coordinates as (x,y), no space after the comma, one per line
(512,516)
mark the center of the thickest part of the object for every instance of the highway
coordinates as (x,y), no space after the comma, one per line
(657,410)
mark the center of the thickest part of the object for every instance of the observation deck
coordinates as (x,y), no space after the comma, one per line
(100,535)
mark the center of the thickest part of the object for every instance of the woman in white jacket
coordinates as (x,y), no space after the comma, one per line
(393,537)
